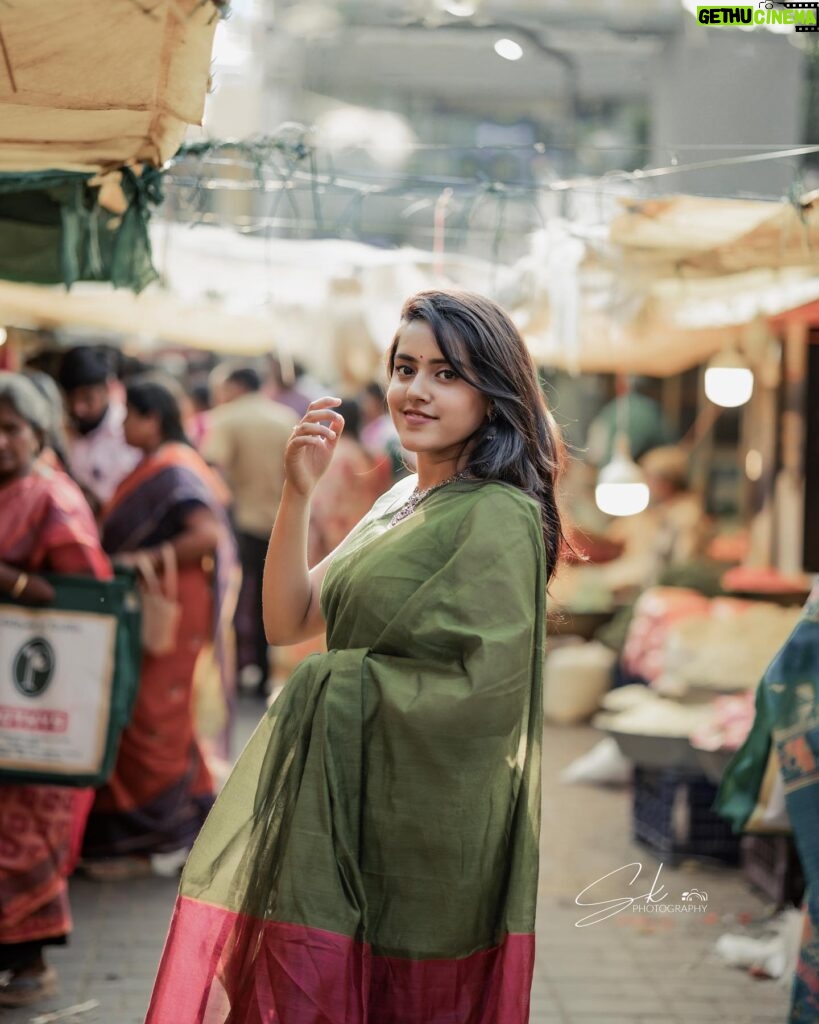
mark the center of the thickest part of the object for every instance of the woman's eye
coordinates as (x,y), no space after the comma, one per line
(399,370)
(448,374)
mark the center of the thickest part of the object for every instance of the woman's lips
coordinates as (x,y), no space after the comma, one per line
(417,418)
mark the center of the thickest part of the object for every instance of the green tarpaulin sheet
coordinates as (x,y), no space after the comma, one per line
(54,230)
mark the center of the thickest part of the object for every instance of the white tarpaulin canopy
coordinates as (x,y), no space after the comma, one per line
(336,303)
(90,84)
(717,236)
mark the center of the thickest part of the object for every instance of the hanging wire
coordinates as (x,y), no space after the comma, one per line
(365,180)
(288,165)
(439,230)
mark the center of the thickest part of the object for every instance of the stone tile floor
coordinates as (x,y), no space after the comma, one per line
(634,968)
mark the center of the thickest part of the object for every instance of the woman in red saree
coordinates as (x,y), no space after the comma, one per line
(45,526)
(161,789)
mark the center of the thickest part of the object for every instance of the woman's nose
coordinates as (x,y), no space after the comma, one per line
(418,387)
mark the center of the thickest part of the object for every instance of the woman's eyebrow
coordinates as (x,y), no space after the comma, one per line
(412,359)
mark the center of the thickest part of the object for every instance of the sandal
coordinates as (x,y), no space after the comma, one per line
(25,989)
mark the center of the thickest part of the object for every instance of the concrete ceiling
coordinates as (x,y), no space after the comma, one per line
(595,49)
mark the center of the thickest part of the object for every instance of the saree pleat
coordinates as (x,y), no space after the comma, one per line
(373,857)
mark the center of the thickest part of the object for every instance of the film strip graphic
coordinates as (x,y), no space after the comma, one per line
(798,5)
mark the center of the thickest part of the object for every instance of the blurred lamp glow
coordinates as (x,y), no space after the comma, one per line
(728,380)
(386,136)
(3,336)
(508,49)
(753,465)
(458,8)
(621,487)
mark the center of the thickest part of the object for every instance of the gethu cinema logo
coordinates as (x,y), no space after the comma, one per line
(763,14)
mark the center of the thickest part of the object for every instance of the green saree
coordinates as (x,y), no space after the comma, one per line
(373,857)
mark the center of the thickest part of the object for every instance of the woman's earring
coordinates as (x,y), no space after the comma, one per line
(490,416)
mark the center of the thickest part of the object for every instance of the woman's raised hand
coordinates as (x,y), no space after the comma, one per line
(311,445)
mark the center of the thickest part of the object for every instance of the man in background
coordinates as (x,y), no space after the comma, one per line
(98,455)
(291,385)
(246,439)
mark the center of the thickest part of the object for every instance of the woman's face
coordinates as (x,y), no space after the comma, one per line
(141,431)
(433,409)
(19,444)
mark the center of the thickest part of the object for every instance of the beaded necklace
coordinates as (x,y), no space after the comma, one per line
(418,496)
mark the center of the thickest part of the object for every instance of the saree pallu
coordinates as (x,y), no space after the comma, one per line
(45,526)
(373,858)
(161,789)
(787,716)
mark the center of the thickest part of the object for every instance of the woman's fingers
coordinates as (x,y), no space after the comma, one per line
(323,416)
(322,409)
(325,402)
(305,429)
(308,439)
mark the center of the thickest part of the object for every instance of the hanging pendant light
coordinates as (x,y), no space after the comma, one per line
(729,381)
(621,485)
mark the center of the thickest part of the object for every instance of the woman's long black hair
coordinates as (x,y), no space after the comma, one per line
(150,394)
(519,443)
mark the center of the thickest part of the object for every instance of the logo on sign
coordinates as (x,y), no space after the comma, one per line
(33,667)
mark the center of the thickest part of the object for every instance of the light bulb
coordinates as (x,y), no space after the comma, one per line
(3,336)
(621,499)
(508,49)
(621,486)
(728,380)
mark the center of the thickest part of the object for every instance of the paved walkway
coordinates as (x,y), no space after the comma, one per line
(634,968)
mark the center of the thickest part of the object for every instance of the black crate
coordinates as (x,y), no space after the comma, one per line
(771,864)
(672,816)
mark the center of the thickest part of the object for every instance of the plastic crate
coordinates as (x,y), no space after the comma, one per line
(771,865)
(672,816)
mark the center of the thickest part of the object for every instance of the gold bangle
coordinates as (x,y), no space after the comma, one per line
(20,585)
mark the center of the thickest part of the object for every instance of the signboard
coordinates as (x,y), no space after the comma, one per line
(56,682)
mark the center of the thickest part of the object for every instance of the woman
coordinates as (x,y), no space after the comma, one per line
(45,526)
(55,449)
(162,789)
(786,720)
(373,857)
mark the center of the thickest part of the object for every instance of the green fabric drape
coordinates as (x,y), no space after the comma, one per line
(373,858)
(396,779)
(53,229)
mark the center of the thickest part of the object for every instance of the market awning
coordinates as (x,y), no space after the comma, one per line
(695,235)
(92,84)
